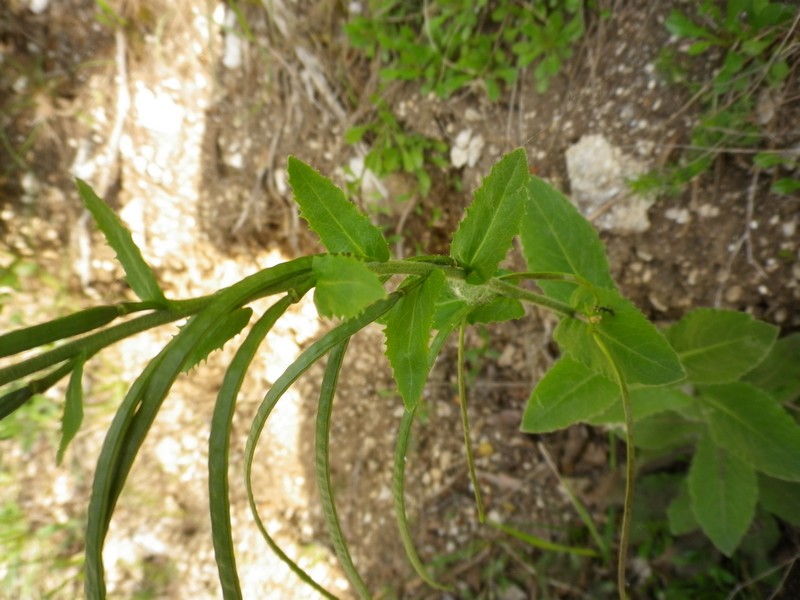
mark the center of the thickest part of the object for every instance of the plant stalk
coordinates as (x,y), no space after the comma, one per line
(627,511)
(462,403)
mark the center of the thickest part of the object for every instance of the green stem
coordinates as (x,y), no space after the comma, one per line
(410,267)
(496,285)
(462,402)
(512,291)
(547,276)
(627,511)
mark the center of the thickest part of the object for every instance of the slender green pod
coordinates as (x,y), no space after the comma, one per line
(140,406)
(57,329)
(312,354)
(93,343)
(399,497)
(219,447)
(323,468)
(13,400)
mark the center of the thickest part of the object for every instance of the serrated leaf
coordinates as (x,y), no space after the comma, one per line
(718,346)
(408,333)
(645,401)
(344,286)
(723,491)
(679,513)
(138,273)
(73,410)
(639,349)
(226,328)
(751,425)
(340,225)
(485,234)
(496,311)
(556,238)
(781,498)
(568,393)
(779,373)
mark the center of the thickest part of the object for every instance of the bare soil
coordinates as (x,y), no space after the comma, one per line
(192,152)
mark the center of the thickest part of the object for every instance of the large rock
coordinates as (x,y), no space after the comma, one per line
(598,174)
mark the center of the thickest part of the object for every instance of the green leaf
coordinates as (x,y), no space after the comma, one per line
(344,286)
(785,186)
(718,346)
(57,329)
(73,410)
(699,48)
(224,329)
(751,425)
(645,401)
(641,352)
(451,311)
(485,234)
(679,24)
(568,393)
(767,160)
(556,238)
(723,491)
(778,72)
(781,498)
(496,311)
(679,513)
(139,275)
(408,332)
(337,221)
(664,431)
(778,374)
(355,134)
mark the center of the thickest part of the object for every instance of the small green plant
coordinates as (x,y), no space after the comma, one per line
(730,412)
(753,42)
(617,367)
(448,45)
(393,149)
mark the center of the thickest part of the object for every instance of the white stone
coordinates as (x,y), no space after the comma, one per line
(37,7)
(467,149)
(233,51)
(598,173)
(157,111)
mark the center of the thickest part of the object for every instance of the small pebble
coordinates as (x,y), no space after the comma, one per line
(733,294)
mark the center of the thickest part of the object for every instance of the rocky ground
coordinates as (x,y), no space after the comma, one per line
(183,123)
